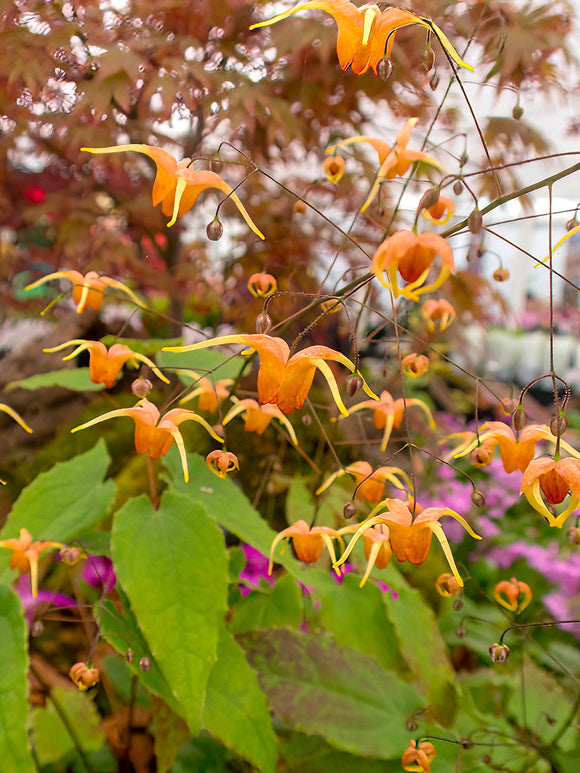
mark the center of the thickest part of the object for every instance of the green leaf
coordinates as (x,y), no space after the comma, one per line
(299,502)
(170,733)
(173,565)
(310,754)
(236,710)
(277,606)
(77,379)
(342,695)
(204,362)
(422,646)
(52,739)
(13,685)
(203,754)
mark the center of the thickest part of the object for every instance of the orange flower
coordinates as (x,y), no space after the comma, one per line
(88,290)
(555,480)
(105,365)
(447,586)
(154,435)
(412,256)
(210,395)
(370,484)
(414,365)
(418,758)
(222,462)
(513,595)
(438,314)
(25,555)
(83,676)
(365,33)
(441,212)
(283,380)
(377,547)
(388,413)
(177,187)
(410,537)
(308,542)
(257,417)
(334,168)
(262,285)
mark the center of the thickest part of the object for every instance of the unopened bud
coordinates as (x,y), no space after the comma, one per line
(263,323)
(307,420)
(71,555)
(463,159)
(216,165)
(214,231)
(475,221)
(353,384)
(384,69)
(141,387)
(145,664)
(486,759)
(83,676)
(501,275)
(299,207)
(349,510)
(519,419)
(558,425)
(458,187)
(573,535)
(478,498)
(573,223)
(518,111)
(129,655)
(461,632)
(37,628)
(429,199)
(457,605)
(428,59)
(434,81)
(499,652)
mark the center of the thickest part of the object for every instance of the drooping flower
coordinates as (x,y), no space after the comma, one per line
(88,290)
(365,34)
(441,212)
(177,187)
(25,555)
(447,586)
(438,314)
(412,256)
(16,416)
(83,676)
(410,537)
(377,548)
(283,380)
(414,365)
(106,364)
(98,572)
(210,395)
(257,417)
(262,285)
(370,484)
(154,435)
(308,542)
(388,413)
(334,168)
(222,462)
(513,594)
(552,480)
(418,758)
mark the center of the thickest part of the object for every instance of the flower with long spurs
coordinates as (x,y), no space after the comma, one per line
(177,186)
(377,548)
(551,480)
(370,484)
(88,290)
(25,555)
(307,542)
(257,417)
(411,257)
(284,380)
(155,434)
(388,413)
(16,416)
(106,364)
(365,34)
(410,537)
(210,395)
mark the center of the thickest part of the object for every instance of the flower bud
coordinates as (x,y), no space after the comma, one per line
(83,676)
(458,187)
(434,81)
(37,628)
(519,419)
(349,510)
(307,420)
(214,230)
(463,159)
(216,165)
(429,199)
(499,652)
(475,221)
(129,655)
(299,207)
(558,425)
(501,275)
(478,498)
(428,59)
(457,605)
(141,387)
(353,384)
(145,664)
(447,586)
(573,535)
(263,323)
(334,168)
(518,111)
(384,68)
(573,223)
(71,556)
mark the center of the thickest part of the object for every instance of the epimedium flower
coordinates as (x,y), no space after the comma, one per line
(411,256)
(513,594)
(177,186)
(262,285)
(366,33)
(307,542)
(377,548)
(25,555)
(447,586)
(222,462)
(370,484)
(440,212)
(257,417)
(106,364)
(284,380)
(552,480)
(410,536)
(155,434)
(418,758)
(414,365)
(334,168)
(210,395)
(84,676)
(438,314)
(388,413)
(88,290)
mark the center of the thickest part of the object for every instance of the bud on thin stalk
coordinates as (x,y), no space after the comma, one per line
(573,223)
(349,510)
(458,188)
(478,498)
(475,221)
(558,425)
(429,199)
(384,69)
(499,653)
(214,230)
(141,387)
(434,81)
(518,419)
(353,384)
(263,323)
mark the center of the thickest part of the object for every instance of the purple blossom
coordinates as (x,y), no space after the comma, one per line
(44,599)
(98,573)
(255,570)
